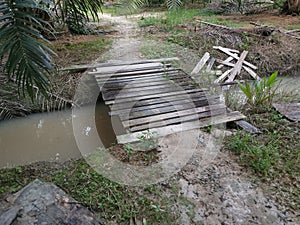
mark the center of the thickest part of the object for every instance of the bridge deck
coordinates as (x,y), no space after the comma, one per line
(155,96)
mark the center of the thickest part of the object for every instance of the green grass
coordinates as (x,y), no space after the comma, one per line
(112,201)
(274,155)
(220,21)
(171,19)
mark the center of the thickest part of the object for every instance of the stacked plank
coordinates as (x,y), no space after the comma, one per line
(154,96)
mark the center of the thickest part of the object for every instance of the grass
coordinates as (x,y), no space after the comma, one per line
(273,156)
(80,49)
(171,19)
(110,200)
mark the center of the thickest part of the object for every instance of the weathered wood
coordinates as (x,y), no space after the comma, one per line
(154,111)
(223,76)
(228,60)
(201,99)
(152,96)
(128,68)
(180,111)
(157,70)
(238,66)
(201,63)
(247,126)
(91,66)
(252,73)
(181,119)
(194,95)
(130,94)
(225,50)
(166,130)
(289,110)
(210,64)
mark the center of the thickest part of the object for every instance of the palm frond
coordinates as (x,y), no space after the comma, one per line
(28,58)
(76,12)
(173,4)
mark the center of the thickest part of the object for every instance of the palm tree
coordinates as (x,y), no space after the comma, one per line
(26,57)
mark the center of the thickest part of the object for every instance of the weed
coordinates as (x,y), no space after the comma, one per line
(149,140)
(261,94)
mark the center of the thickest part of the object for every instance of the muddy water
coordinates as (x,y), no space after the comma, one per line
(48,137)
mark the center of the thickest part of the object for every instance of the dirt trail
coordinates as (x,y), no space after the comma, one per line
(219,192)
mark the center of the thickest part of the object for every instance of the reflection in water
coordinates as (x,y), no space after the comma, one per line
(47,137)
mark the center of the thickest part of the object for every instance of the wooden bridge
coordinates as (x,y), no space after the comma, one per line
(153,95)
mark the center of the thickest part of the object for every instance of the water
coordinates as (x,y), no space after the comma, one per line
(49,136)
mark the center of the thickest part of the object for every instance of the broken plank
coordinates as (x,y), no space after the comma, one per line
(163,131)
(252,73)
(210,64)
(234,56)
(238,66)
(223,76)
(228,60)
(201,63)
(247,126)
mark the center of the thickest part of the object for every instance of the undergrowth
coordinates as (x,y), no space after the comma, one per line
(111,201)
(274,155)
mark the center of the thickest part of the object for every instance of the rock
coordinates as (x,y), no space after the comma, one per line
(45,203)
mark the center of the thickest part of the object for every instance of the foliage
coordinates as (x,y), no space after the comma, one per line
(261,94)
(28,58)
(136,4)
(75,13)
(24,50)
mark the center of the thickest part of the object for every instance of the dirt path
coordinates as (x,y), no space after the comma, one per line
(219,192)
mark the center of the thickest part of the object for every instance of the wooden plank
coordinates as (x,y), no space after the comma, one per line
(201,63)
(238,66)
(252,73)
(210,64)
(151,96)
(247,126)
(181,119)
(223,76)
(228,60)
(153,110)
(128,68)
(289,110)
(196,100)
(99,75)
(166,130)
(180,111)
(152,101)
(112,79)
(129,94)
(91,66)
(144,86)
(143,82)
(234,56)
